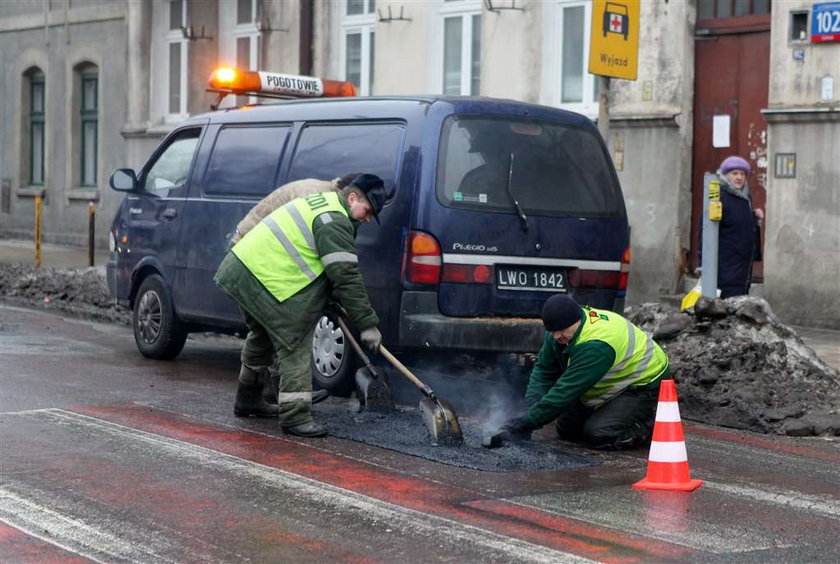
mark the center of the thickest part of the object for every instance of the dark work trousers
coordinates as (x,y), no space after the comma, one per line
(623,422)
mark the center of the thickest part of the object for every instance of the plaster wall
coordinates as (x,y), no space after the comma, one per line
(509,44)
(92,33)
(402,50)
(802,247)
(798,82)
(650,142)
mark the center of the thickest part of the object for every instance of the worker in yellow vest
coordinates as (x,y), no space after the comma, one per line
(597,376)
(282,273)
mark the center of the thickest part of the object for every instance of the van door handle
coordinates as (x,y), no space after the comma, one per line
(169,213)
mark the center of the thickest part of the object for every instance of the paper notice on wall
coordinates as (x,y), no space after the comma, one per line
(720,131)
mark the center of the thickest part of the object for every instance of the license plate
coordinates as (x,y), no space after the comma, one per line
(534,278)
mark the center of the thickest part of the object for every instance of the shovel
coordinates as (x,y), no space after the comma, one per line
(438,414)
(374,393)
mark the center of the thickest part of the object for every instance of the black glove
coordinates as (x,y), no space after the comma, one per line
(519,428)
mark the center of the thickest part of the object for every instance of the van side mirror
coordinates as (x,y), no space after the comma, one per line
(123,180)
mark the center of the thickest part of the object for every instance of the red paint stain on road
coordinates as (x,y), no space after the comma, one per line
(762,442)
(459,504)
(22,548)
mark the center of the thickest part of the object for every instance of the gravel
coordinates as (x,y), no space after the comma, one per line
(735,364)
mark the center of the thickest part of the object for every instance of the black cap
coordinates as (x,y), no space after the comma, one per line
(560,312)
(374,190)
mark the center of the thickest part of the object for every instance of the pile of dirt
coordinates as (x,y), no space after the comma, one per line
(81,291)
(736,365)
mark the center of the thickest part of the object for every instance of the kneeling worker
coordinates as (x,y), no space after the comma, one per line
(597,375)
(281,273)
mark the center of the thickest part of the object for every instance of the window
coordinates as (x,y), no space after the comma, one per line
(461,47)
(578,89)
(357,26)
(713,9)
(37,126)
(330,151)
(170,170)
(245,160)
(89,125)
(550,168)
(247,40)
(176,59)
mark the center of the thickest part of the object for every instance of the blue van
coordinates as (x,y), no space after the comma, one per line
(493,205)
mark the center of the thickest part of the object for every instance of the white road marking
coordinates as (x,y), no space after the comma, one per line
(409,521)
(768,494)
(69,533)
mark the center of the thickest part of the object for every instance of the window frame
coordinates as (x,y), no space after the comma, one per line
(173,36)
(552,79)
(250,31)
(363,24)
(88,116)
(465,10)
(37,78)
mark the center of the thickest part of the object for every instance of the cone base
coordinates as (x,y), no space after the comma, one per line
(688,486)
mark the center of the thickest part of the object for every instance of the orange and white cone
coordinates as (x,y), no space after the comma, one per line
(667,467)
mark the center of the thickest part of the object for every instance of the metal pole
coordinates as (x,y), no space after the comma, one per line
(38,201)
(91,228)
(712,212)
(604,108)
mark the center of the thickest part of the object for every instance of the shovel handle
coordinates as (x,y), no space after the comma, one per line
(406,372)
(355,345)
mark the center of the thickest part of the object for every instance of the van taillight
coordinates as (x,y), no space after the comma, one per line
(580,278)
(624,275)
(424,259)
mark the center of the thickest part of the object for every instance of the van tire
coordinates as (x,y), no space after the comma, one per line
(158,332)
(333,359)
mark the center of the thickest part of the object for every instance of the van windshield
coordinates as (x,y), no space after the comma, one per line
(549,168)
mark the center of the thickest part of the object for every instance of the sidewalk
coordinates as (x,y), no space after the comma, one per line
(825,342)
(54,256)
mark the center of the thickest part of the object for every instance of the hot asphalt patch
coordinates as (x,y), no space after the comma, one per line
(404,431)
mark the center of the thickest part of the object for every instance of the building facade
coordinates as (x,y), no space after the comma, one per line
(93,85)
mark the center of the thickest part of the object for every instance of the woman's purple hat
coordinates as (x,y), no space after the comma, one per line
(734,163)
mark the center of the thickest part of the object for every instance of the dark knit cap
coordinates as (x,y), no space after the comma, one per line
(559,312)
(374,190)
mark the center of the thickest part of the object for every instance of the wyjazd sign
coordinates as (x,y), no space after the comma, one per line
(825,23)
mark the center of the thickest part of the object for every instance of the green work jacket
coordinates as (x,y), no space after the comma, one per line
(607,355)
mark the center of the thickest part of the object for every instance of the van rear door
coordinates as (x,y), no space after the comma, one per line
(524,207)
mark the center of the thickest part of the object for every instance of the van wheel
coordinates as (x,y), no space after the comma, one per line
(158,332)
(333,358)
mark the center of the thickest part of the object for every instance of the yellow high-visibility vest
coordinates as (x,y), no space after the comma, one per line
(638,359)
(280,250)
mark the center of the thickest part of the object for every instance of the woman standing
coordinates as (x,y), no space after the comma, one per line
(738,239)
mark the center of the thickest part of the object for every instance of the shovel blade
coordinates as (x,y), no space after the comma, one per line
(441,421)
(373,392)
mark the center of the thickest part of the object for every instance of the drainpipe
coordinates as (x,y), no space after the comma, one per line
(305,48)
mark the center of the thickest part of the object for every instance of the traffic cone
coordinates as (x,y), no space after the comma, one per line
(668,462)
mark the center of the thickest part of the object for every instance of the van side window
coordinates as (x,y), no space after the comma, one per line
(168,174)
(550,168)
(329,151)
(245,160)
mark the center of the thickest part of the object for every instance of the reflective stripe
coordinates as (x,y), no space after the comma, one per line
(667,452)
(290,248)
(290,397)
(332,258)
(304,228)
(631,347)
(668,412)
(622,384)
(325,218)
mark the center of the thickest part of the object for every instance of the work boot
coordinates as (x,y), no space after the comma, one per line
(271,381)
(308,429)
(250,403)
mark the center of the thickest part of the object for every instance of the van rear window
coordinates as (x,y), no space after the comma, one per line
(550,168)
(245,160)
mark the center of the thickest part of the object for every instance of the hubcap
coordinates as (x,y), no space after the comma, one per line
(149,314)
(327,347)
